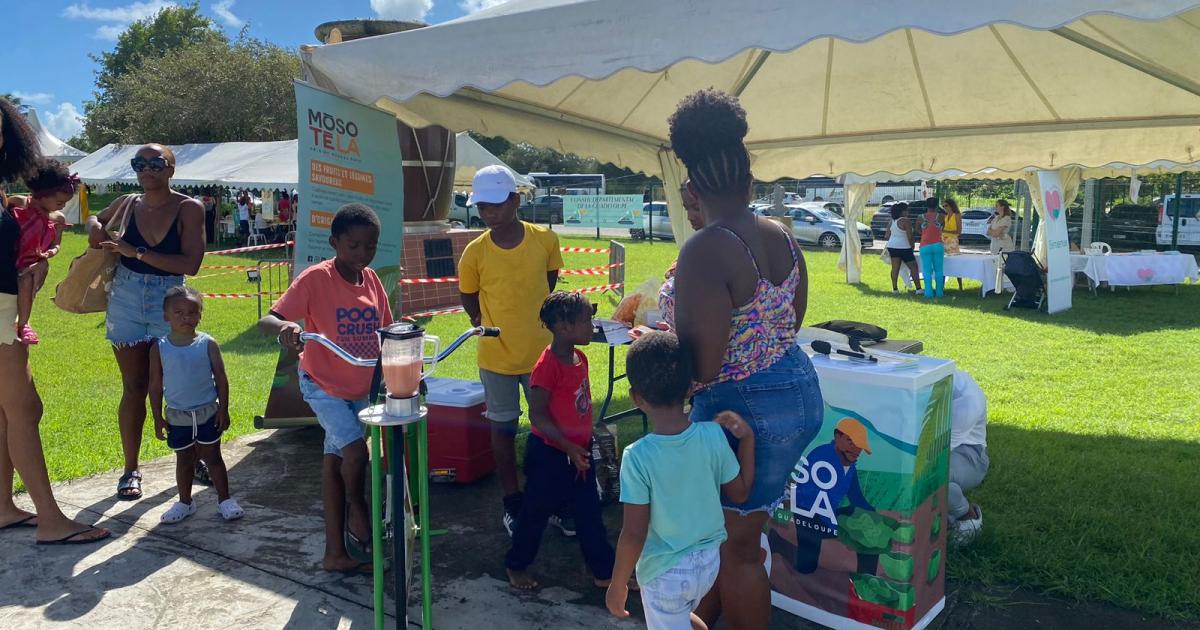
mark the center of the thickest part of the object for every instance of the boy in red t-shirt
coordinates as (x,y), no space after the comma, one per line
(344,300)
(558,460)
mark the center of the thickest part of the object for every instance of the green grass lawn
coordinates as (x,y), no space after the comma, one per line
(1094,437)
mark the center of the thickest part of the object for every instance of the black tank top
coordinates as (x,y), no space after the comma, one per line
(171,245)
(10,238)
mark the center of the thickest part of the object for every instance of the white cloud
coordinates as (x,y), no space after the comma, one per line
(223,9)
(64,122)
(111,32)
(117,18)
(34,98)
(401,9)
(473,6)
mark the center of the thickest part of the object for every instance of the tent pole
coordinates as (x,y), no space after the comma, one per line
(1178,211)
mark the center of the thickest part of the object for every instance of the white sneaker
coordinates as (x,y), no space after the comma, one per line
(230,510)
(966,530)
(179,511)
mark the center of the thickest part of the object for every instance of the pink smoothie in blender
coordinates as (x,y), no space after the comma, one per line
(402,356)
(402,378)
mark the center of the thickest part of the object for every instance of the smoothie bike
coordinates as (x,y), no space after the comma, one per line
(404,366)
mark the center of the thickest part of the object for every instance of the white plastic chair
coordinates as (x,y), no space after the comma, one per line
(256,237)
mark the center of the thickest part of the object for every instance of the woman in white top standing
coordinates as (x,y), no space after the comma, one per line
(899,245)
(1000,228)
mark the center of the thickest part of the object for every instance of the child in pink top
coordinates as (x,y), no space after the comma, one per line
(344,300)
(52,186)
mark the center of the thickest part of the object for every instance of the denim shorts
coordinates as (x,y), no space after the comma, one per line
(337,416)
(135,307)
(783,405)
(502,394)
(669,599)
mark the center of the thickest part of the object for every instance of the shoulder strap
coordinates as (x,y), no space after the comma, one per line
(749,252)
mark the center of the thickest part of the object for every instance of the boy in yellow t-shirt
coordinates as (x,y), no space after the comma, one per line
(504,276)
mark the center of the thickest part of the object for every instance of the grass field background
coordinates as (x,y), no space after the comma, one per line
(1093,435)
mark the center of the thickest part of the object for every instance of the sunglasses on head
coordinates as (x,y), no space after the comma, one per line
(139,164)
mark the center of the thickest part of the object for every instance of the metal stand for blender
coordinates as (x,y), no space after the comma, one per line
(376,418)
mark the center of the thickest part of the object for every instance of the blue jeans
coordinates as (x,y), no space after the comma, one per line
(135,307)
(784,407)
(933,258)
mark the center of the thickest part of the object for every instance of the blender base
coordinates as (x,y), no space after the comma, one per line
(377,416)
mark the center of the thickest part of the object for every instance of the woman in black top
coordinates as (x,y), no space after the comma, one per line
(162,243)
(20,405)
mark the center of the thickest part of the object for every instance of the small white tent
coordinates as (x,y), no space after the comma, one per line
(470,156)
(51,146)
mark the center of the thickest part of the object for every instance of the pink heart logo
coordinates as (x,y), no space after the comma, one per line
(1145,274)
(1054,203)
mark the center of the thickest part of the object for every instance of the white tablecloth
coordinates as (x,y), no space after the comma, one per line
(982,267)
(1133,270)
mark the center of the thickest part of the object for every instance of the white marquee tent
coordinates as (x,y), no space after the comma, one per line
(856,87)
(238,164)
(50,144)
(251,164)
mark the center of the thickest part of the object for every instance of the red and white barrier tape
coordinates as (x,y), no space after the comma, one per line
(237,269)
(602,270)
(585,250)
(234,296)
(255,248)
(459,309)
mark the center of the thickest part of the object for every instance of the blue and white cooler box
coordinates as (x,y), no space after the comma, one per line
(860,541)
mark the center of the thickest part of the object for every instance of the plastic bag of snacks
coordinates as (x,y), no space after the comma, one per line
(634,307)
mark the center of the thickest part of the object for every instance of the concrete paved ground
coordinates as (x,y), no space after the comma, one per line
(262,571)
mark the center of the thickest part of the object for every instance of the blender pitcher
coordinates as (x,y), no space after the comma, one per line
(402,355)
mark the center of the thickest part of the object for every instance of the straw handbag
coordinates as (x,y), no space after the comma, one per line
(85,288)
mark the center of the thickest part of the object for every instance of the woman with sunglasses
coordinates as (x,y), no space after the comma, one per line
(162,242)
(20,405)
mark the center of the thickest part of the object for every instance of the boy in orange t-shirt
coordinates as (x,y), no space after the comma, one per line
(344,300)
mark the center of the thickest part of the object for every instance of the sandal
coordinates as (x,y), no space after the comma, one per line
(27,335)
(202,475)
(230,510)
(129,486)
(178,512)
(74,539)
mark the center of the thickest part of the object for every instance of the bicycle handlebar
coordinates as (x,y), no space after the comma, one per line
(478,331)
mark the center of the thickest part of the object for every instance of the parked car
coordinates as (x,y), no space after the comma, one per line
(1130,226)
(975,224)
(461,213)
(655,222)
(882,218)
(830,206)
(544,209)
(818,226)
(1189,220)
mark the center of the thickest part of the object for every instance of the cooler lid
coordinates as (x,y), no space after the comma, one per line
(453,392)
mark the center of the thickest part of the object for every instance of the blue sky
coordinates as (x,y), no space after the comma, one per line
(45,59)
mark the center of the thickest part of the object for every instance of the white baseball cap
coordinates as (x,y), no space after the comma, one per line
(492,184)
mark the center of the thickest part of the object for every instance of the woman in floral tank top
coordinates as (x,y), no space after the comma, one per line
(739,294)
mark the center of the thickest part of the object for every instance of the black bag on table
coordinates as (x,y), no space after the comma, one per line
(854,330)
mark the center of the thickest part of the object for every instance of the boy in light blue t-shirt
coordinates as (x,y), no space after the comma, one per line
(671,482)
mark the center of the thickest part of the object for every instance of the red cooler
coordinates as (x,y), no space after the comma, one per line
(460,439)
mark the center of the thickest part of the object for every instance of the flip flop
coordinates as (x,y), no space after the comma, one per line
(129,486)
(356,548)
(73,539)
(21,523)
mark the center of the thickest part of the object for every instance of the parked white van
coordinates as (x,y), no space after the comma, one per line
(1189,220)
